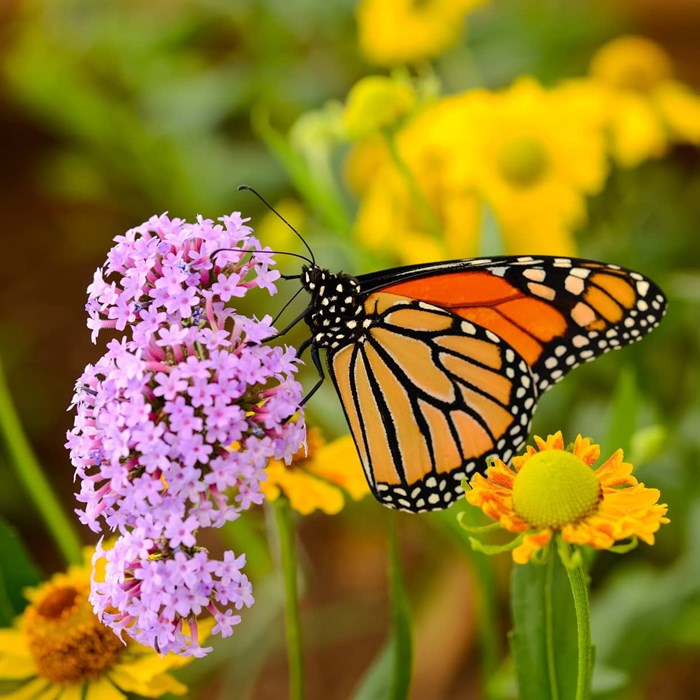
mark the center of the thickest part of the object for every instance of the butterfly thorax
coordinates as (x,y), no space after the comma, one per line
(336,313)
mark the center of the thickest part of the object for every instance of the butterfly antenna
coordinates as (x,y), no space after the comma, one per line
(284,308)
(266,252)
(279,216)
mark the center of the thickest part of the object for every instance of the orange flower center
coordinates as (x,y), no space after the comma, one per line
(523,161)
(554,488)
(69,644)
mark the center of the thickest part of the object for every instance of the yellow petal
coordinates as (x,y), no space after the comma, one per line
(338,463)
(37,689)
(100,689)
(16,661)
(141,679)
(531,543)
(586,450)
(681,110)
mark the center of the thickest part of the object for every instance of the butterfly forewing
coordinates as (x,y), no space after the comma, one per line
(556,312)
(429,396)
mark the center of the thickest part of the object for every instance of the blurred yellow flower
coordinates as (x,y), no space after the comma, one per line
(553,490)
(376,103)
(409,210)
(318,477)
(533,158)
(394,32)
(528,153)
(643,107)
(58,649)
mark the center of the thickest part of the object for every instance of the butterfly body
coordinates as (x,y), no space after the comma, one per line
(438,367)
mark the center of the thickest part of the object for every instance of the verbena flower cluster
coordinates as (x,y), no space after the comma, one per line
(176,422)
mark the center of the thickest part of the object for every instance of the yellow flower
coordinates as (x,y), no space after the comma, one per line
(58,649)
(318,477)
(426,218)
(529,154)
(644,108)
(393,32)
(552,490)
(533,158)
(376,103)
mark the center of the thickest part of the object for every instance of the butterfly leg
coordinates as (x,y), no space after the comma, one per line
(288,328)
(319,368)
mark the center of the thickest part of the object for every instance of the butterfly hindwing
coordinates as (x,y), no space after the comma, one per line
(556,312)
(429,396)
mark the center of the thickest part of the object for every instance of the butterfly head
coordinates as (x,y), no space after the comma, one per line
(336,310)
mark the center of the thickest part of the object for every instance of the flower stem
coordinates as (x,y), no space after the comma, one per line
(579,590)
(429,220)
(549,625)
(35,483)
(295,652)
(402,643)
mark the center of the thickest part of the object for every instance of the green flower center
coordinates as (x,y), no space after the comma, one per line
(554,488)
(523,161)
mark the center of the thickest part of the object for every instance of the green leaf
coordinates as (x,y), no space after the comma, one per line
(33,478)
(320,195)
(623,416)
(17,571)
(543,640)
(376,684)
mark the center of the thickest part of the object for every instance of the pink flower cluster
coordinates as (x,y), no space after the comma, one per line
(177,420)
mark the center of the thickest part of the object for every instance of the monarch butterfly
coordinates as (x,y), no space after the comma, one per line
(439,366)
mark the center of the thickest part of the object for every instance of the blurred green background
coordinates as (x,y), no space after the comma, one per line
(112,111)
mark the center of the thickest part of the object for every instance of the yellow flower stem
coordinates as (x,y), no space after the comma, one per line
(287,543)
(429,220)
(579,590)
(32,477)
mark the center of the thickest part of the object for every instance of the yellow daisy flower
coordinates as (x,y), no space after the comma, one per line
(59,650)
(553,490)
(644,107)
(414,214)
(533,158)
(319,476)
(528,153)
(393,32)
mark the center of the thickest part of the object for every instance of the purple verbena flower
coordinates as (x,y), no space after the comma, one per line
(158,590)
(177,420)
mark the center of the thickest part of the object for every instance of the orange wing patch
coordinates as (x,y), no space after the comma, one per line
(526,323)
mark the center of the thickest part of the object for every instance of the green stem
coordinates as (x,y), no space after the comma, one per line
(34,481)
(579,590)
(295,651)
(429,220)
(401,627)
(487,612)
(549,624)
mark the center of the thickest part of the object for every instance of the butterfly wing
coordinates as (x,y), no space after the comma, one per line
(555,312)
(428,396)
